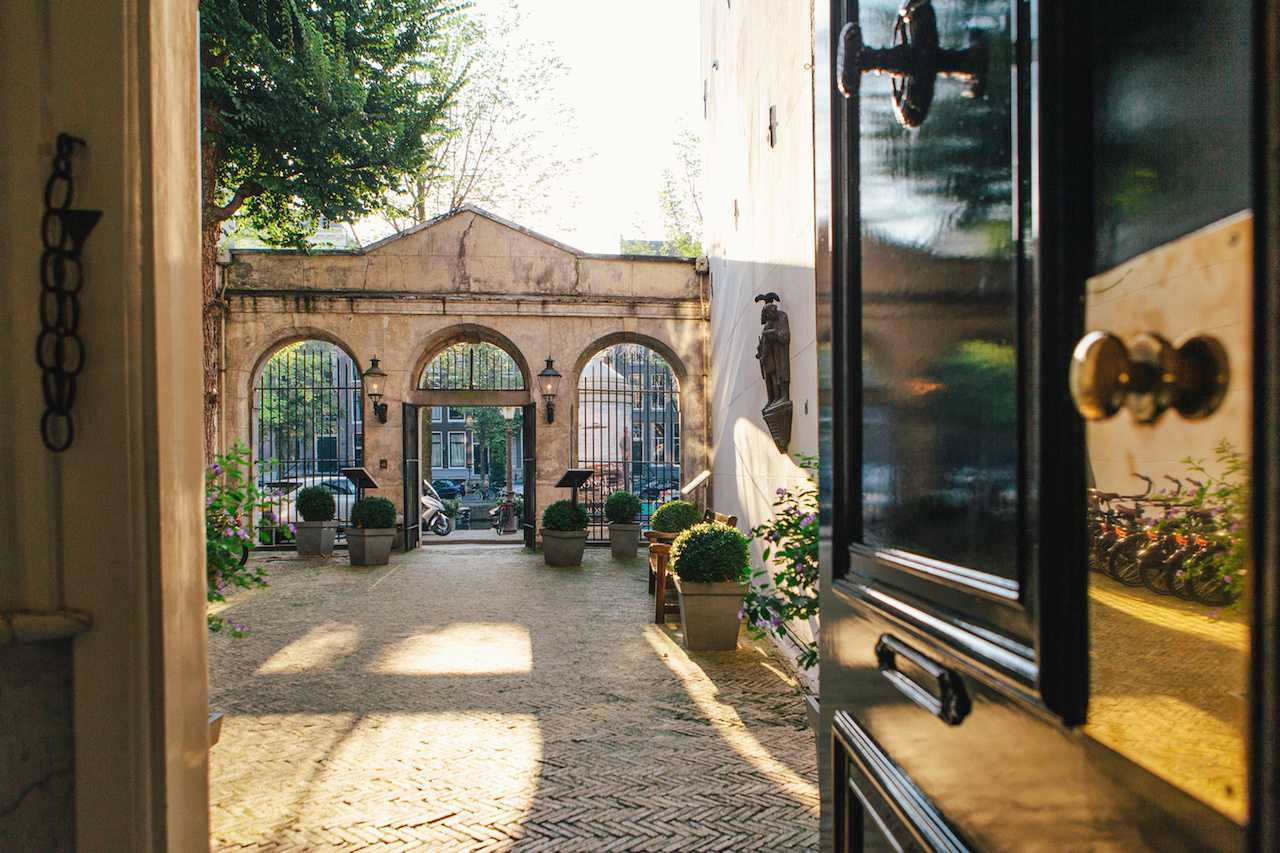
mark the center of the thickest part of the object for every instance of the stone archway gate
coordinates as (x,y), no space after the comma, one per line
(466,276)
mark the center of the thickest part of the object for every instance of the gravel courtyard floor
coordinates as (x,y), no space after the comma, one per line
(471,698)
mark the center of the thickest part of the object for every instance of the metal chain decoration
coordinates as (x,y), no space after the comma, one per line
(59,350)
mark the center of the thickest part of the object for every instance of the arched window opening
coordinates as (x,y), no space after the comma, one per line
(628,430)
(307,426)
(472,367)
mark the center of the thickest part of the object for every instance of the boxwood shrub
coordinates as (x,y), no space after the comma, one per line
(316,504)
(710,552)
(373,514)
(563,515)
(675,516)
(622,508)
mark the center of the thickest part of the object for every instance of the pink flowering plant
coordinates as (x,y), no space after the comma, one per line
(776,601)
(232,502)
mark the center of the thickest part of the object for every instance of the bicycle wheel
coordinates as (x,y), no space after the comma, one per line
(1122,562)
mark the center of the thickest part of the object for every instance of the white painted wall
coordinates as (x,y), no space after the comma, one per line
(759,237)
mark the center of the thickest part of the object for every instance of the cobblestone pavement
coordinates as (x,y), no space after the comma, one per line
(471,698)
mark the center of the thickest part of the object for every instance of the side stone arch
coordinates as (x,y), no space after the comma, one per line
(294,335)
(659,346)
(630,393)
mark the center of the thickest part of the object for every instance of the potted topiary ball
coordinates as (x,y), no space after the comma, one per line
(373,527)
(624,532)
(671,519)
(316,530)
(710,562)
(564,533)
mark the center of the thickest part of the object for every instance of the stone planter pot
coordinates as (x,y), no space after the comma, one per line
(563,547)
(370,547)
(624,539)
(709,614)
(315,538)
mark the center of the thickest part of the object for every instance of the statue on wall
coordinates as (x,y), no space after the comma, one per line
(774,354)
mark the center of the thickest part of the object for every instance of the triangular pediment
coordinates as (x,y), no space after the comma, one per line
(473,232)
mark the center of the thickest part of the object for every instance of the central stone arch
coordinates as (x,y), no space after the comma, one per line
(468,333)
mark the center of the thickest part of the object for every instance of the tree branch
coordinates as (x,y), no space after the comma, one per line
(243,193)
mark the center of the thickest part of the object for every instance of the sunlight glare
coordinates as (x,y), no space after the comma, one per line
(464,648)
(316,648)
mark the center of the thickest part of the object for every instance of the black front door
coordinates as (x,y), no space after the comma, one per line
(1036,283)
(412,475)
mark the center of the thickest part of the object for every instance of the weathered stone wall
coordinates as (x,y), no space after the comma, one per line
(469,276)
(36,747)
(759,238)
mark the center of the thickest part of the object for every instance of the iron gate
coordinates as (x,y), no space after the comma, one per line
(307,426)
(628,431)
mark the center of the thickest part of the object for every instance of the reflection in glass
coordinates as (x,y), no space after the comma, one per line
(1168,515)
(939,253)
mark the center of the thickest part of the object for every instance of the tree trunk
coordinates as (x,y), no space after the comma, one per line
(210,226)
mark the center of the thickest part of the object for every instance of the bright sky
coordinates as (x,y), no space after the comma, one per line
(633,79)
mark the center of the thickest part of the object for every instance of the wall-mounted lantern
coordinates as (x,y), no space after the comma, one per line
(549,384)
(373,378)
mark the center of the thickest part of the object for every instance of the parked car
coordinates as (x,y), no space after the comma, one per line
(664,485)
(283,493)
(446,489)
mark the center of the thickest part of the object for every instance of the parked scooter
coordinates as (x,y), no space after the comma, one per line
(434,517)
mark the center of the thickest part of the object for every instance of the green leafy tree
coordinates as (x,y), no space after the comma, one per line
(504,148)
(311,109)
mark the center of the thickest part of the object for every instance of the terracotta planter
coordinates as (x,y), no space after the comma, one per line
(370,547)
(709,614)
(624,539)
(315,538)
(563,547)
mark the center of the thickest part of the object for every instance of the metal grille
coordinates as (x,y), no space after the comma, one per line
(473,367)
(628,431)
(307,426)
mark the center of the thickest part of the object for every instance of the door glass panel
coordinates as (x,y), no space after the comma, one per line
(1170,575)
(939,280)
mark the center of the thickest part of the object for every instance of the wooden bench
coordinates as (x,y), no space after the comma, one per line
(659,559)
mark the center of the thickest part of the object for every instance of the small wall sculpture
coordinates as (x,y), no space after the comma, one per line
(774,354)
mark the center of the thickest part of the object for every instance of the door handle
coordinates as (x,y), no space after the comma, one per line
(950,703)
(915,61)
(1147,376)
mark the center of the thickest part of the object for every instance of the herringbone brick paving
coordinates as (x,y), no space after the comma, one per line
(468,698)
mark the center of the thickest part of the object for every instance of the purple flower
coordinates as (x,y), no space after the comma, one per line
(292,528)
(243,534)
(808,519)
(227,531)
(780,492)
(742,611)
(1226,578)
(270,516)
(215,469)
(775,621)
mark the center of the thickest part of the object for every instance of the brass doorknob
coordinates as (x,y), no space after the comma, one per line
(1147,376)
